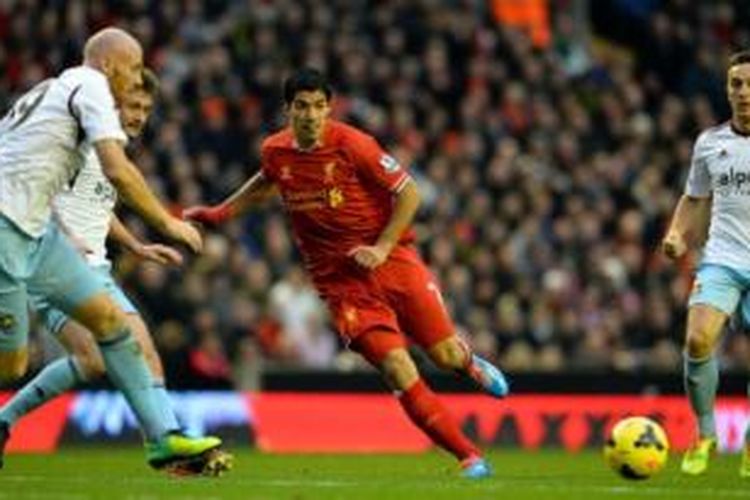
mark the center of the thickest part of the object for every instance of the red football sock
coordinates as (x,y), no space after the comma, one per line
(429,414)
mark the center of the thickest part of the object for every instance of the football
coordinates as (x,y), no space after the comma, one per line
(636,448)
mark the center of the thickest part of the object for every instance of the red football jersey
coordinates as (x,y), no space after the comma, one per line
(339,195)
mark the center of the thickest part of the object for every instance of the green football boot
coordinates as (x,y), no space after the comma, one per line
(695,461)
(177,451)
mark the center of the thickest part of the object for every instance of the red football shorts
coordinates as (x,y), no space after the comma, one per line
(376,311)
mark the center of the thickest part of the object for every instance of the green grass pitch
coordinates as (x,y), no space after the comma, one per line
(119,472)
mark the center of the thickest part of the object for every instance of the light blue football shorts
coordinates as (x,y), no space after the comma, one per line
(723,288)
(48,267)
(54,319)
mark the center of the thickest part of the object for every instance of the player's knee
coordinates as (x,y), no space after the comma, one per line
(102,317)
(110,323)
(399,369)
(705,324)
(699,343)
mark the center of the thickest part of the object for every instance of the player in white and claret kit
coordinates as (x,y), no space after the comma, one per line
(85,214)
(45,140)
(718,184)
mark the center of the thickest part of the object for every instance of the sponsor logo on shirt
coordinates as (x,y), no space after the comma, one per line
(303,201)
(737,180)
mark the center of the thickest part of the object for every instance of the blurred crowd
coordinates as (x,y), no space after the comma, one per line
(549,165)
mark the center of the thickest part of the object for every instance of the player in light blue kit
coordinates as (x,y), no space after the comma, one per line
(45,140)
(85,213)
(719,184)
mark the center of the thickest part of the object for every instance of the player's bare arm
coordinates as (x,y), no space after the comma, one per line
(405,207)
(256,191)
(689,227)
(162,254)
(133,189)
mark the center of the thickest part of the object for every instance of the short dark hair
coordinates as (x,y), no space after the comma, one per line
(150,82)
(309,79)
(741,57)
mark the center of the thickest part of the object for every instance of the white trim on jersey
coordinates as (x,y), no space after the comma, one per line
(405,179)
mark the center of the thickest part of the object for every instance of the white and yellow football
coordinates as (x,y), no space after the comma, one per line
(636,448)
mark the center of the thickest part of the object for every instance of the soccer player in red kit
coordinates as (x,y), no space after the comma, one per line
(350,206)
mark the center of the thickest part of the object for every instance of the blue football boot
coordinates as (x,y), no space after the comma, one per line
(476,468)
(488,377)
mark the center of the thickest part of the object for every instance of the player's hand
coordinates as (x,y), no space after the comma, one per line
(368,256)
(674,246)
(210,216)
(186,233)
(161,254)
